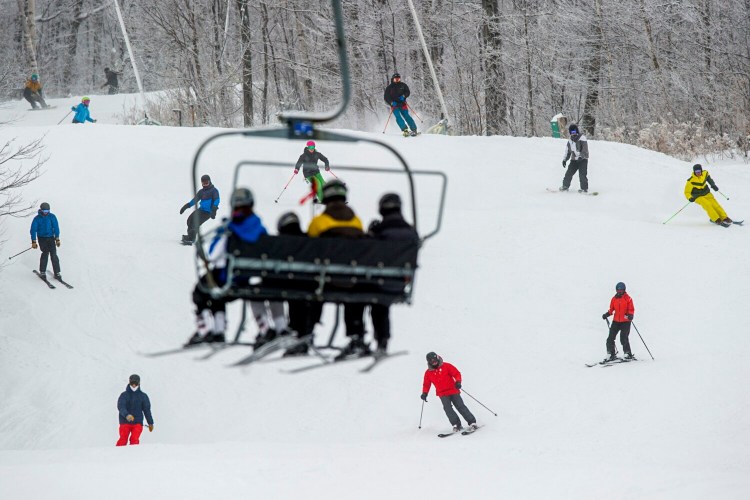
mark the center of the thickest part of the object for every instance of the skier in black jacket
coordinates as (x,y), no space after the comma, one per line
(395,96)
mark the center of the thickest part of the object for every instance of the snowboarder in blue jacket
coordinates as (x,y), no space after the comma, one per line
(208,203)
(45,228)
(132,405)
(82,112)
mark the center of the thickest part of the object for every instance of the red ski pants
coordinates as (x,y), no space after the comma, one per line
(132,430)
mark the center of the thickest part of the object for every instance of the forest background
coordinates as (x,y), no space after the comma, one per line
(672,76)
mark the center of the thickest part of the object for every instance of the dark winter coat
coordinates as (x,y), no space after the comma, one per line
(577,148)
(136,403)
(308,160)
(393,93)
(338,220)
(111,78)
(207,199)
(621,306)
(444,378)
(392,227)
(44,226)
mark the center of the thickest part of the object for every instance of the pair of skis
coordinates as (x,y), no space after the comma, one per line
(44,278)
(375,360)
(608,362)
(464,432)
(592,193)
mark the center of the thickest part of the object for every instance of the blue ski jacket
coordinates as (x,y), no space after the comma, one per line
(82,113)
(44,226)
(136,403)
(207,199)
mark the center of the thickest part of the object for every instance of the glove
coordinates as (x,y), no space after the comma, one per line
(328,168)
(564,164)
(458,384)
(296,171)
(401,98)
(605,315)
(691,199)
(184,207)
(72,108)
(57,242)
(93,121)
(629,317)
(34,245)
(394,104)
(213,212)
(151,428)
(424,397)
(130,418)
(716,188)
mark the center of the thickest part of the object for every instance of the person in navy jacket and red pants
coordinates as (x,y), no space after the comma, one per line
(132,405)
(622,305)
(447,381)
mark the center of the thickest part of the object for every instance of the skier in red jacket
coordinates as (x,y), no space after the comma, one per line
(622,305)
(447,381)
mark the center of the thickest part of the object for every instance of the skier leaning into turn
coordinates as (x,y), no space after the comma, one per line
(447,381)
(308,160)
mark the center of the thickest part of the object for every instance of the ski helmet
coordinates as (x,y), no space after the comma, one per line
(242,197)
(85,99)
(334,190)
(433,360)
(34,76)
(287,223)
(44,206)
(390,202)
(205,178)
(573,129)
(310,144)
(134,379)
(620,286)
(697,168)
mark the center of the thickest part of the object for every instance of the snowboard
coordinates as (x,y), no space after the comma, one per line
(42,109)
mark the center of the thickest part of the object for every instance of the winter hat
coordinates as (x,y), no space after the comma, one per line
(395,75)
(134,379)
(573,129)
(620,286)
(334,190)
(288,223)
(697,168)
(205,178)
(310,144)
(44,206)
(433,360)
(390,202)
(242,197)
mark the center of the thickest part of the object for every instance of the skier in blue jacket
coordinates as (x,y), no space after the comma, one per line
(132,405)
(45,228)
(82,112)
(208,203)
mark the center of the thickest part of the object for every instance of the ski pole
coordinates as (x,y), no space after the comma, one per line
(64,117)
(725,196)
(475,399)
(415,113)
(331,172)
(644,343)
(282,191)
(388,120)
(420,415)
(19,253)
(677,212)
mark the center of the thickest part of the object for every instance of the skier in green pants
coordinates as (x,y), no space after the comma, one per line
(309,162)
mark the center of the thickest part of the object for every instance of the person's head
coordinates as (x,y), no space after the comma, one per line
(395,78)
(573,131)
(34,77)
(288,224)
(205,180)
(242,202)
(389,203)
(44,208)
(697,169)
(620,288)
(433,360)
(334,191)
(106,70)
(134,381)
(310,146)
(86,100)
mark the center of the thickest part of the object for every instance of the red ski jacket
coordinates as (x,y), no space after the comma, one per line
(444,379)
(621,306)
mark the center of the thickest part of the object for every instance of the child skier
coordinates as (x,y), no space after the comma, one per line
(697,191)
(82,112)
(308,160)
(447,381)
(622,305)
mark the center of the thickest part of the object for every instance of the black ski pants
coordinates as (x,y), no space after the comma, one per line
(455,400)
(203,300)
(381,323)
(196,219)
(49,250)
(580,166)
(623,328)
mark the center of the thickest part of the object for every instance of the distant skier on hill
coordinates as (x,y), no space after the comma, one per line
(447,381)
(622,306)
(308,160)
(395,96)
(114,85)
(696,190)
(32,92)
(132,405)
(577,150)
(46,229)
(207,199)
(82,114)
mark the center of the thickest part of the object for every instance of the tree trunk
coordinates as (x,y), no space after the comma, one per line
(495,100)
(247,63)
(27,10)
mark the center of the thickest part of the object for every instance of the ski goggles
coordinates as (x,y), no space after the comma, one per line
(310,148)
(45,212)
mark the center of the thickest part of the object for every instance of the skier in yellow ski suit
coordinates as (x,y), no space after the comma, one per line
(696,190)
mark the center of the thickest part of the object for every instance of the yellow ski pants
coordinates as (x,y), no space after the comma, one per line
(711,206)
